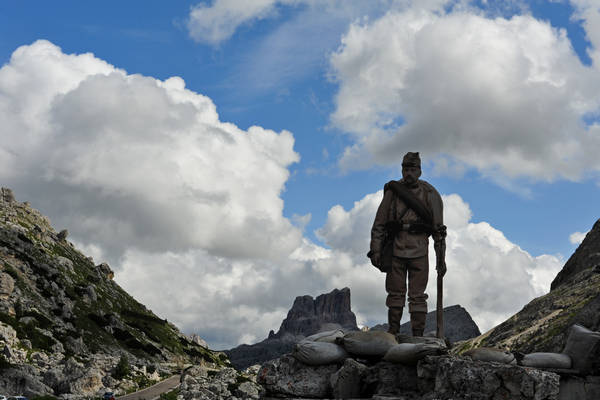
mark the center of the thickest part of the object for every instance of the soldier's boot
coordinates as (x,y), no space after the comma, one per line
(394,317)
(417,323)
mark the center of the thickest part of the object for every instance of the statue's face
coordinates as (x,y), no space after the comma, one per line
(411,174)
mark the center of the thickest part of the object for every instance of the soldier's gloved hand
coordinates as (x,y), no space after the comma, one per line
(441,267)
(376,259)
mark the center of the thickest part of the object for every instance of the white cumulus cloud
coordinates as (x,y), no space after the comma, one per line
(503,96)
(577,237)
(131,161)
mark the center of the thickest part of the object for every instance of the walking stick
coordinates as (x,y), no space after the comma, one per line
(440,306)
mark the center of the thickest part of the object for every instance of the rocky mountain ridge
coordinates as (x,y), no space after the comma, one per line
(65,323)
(307,316)
(543,324)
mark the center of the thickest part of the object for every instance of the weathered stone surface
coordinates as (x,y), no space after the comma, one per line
(347,382)
(435,377)
(200,383)
(7,285)
(287,377)
(461,378)
(23,380)
(579,388)
(388,379)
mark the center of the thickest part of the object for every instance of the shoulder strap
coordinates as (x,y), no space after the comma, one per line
(410,200)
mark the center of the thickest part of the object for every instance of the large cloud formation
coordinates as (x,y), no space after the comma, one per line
(504,96)
(134,161)
(187,208)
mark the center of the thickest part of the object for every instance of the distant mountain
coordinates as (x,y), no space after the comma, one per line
(65,324)
(543,324)
(306,317)
(458,324)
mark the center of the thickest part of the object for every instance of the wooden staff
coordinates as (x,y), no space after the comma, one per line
(440,306)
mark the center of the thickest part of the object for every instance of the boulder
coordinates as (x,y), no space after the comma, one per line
(24,381)
(199,383)
(459,378)
(7,285)
(346,383)
(288,377)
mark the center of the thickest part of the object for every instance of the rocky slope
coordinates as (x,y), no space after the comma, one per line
(543,324)
(458,324)
(65,324)
(306,317)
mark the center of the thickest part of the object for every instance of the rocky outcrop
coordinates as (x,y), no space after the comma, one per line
(586,256)
(434,377)
(458,324)
(306,317)
(543,324)
(65,324)
(226,383)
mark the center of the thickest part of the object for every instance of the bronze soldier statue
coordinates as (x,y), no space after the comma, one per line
(411,211)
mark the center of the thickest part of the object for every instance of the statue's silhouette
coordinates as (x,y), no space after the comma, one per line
(410,212)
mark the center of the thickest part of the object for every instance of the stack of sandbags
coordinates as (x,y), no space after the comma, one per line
(320,349)
(583,346)
(580,353)
(413,348)
(491,354)
(368,344)
(547,360)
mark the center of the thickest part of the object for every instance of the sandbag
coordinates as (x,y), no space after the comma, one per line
(421,339)
(367,344)
(318,353)
(410,353)
(583,348)
(547,360)
(327,336)
(491,354)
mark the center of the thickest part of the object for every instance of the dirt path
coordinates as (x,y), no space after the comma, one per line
(153,392)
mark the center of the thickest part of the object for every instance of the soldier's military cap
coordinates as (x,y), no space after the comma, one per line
(411,160)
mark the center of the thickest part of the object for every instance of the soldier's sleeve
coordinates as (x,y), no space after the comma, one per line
(378,229)
(437,210)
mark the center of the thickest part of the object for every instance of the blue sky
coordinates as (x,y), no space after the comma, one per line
(498,96)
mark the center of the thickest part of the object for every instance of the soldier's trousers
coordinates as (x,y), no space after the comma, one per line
(417,272)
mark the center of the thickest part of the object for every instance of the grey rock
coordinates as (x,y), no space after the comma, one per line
(24,381)
(90,292)
(199,383)
(347,382)
(7,195)
(7,285)
(579,388)
(287,377)
(8,334)
(453,376)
